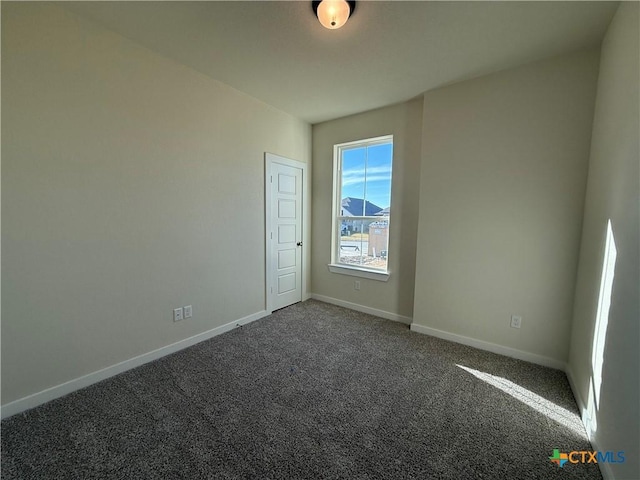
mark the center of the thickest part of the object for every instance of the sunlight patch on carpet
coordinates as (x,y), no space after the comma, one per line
(561,415)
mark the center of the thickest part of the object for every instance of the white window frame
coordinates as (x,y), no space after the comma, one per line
(335,266)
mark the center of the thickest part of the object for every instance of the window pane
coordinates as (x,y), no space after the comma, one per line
(378,244)
(353,181)
(351,242)
(378,177)
(364,242)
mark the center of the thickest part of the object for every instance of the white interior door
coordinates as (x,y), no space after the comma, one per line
(285,236)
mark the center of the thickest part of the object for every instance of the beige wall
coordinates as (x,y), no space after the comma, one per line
(131,185)
(613,195)
(403,121)
(504,166)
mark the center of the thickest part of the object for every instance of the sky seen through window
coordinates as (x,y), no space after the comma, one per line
(372,163)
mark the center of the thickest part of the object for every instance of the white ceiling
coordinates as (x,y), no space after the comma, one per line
(388,52)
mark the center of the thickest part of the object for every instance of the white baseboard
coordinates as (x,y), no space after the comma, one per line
(364,309)
(582,405)
(65,388)
(490,347)
(605,468)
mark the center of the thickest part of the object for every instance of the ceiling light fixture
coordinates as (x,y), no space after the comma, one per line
(333,13)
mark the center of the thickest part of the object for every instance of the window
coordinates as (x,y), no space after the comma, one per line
(361,206)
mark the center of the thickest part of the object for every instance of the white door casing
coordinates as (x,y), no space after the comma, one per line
(284,181)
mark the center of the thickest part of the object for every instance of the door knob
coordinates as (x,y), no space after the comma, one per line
(299,244)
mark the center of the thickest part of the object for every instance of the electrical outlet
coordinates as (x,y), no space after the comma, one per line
(356,285)
(188,311)
(177,314)
(516,321)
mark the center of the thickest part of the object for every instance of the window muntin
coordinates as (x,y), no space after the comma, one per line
(362,200)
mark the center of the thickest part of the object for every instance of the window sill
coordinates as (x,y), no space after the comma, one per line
(359,272)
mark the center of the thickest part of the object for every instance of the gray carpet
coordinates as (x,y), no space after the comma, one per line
(312,391)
